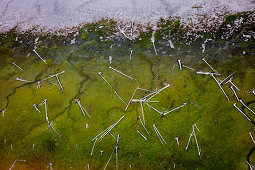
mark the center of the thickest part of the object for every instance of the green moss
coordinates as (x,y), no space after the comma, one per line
(230,18)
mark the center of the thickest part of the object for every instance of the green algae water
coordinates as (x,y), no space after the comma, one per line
(66,141)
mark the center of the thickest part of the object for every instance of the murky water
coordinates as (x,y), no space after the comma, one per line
(66,140)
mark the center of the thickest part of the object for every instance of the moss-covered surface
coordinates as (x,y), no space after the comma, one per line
(224,132)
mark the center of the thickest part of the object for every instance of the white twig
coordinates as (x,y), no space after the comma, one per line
(220,87)
(180,64)
(231,87)
(153,108)
(209,65)
(252,138)
(153,42)
(34,105)
(143,125)
(19,79)
(122,73)
(15,163)
(50,166)
(207,73)
(188,67)
(227,77)
(141,104)
(184,104)
(158,134)
(195,105)
(93,147)
(142,135)
(177,140)
(193,133)
(54,129)
(3,111)
(114,149)
(131,98)
(130,56)
(104,79)
(157,92)
(241,111)
(120,97)
(82,108)
(241,101)
(17,66)
(249,165)
(39,56)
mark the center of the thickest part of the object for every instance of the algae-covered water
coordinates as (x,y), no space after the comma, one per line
(223,136)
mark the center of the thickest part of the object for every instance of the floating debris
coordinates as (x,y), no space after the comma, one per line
(130,56)
(17,66)
(171,44)
(180,64)
(131,98)
(193,133)
(142,135)
(120,97)
(36,108)
(241,111)
(19,79)
(50,166)
(122,73)
(104,79)
(21,160)
(220,87)
(158,134)
(177,140)
(241,101)
(3,111)
(143,125)
(184,104)
(115,149)
(252,138)
(195,105)
(101,135)
(209,65)
(84,112)
(153,42)
(39,56)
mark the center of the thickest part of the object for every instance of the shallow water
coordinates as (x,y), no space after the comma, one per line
(223,135)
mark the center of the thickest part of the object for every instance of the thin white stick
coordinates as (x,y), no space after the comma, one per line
(54,75)
(130,56)
(209,65)
(195,105)
(139,100)
(36,108)
(207,73)
(197,143)
(88,166)
(141,104)
(252,138)
(184,104)
(103,135)
(241,101)
(3,111)
(249,165)
(93,147)
(54,129)
(114,149)
(122,73)
(159,135)
(17,66)
(144,89)
(227,77)
(153,108)
(180,64)
(39,56)
(120,97)
(159,91)
(143,125)
(188,67)
(177,140)
(15,163)
(142,135)
(50,166)
(60,85)
(104,79)
(131,98)
(220,87)
(241,111)
(112,135)
(19,79)
(231,87)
